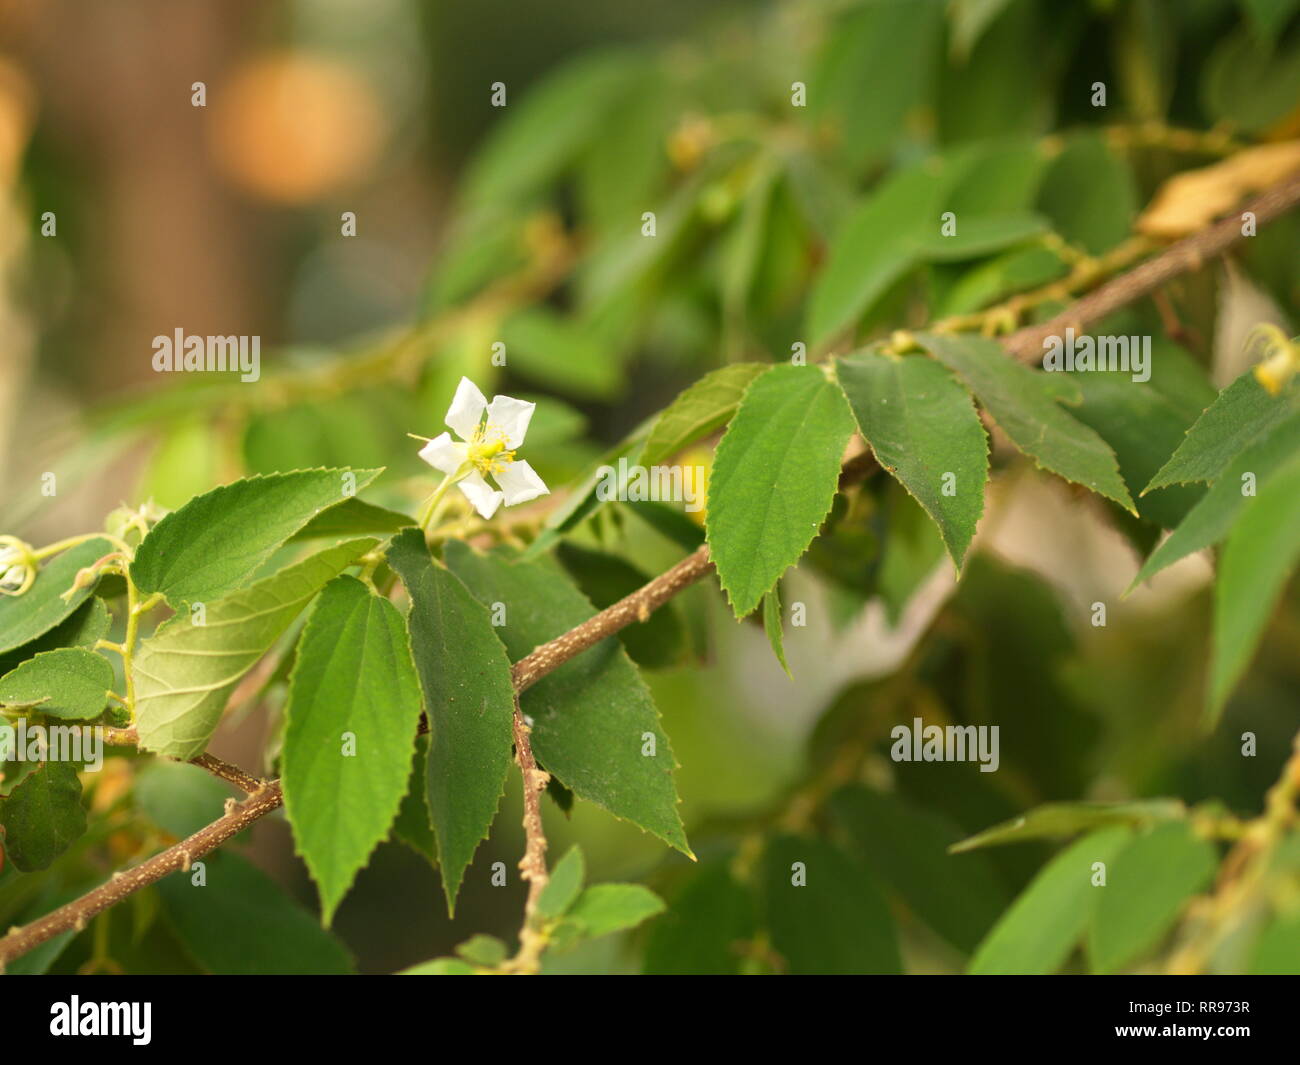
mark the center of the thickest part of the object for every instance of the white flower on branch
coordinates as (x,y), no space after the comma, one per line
(490,434)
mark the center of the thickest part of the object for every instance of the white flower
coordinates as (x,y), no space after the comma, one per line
(486,448)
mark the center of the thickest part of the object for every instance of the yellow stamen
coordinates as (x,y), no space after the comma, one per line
(488,451)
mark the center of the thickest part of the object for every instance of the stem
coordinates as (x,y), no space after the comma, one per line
(1190,253)
(432,506)
(133,612)
(1085,273)
(532,936)
(73,541)
(1243,876)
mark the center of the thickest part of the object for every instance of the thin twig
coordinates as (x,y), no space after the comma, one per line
(245,782)
(635,607)
(76,915)
(232,774)
(1190,253)
(1242,875)
(532,941)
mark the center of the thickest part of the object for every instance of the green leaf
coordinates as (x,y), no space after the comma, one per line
(702,408)
(1259,557)
(614,279)
(837,922)
(185,672)
(541,132)
(970,18)
(993,93)
(361,427)
(440,967)
(656,643)
(42,817)
(1277,951)
(1036,935)
(70,683)
(606,908)
(1014,271)
(34,613)
(1147,884)
(1056,820)
(1089,194)
(180,798)
(1269,16)
(353,517)
(913,549)
(958,896)
(487,951)
(593,717)
(1250,83)
(559,353)
(1242,414)
(668,522)
(888,42)
(705,928)
(413,825)
(996,179)
(1210,520)
(1021,402)
(350,720)
(899,226)
(184,463)
(742,254)
(774,478)
(584,500)
(625,166)
(874,248)
(470,699)
(217,541)
(564,885)
(980,235)
(84,627)
(239,922)
(772,626)
(923,429)
(1142,422)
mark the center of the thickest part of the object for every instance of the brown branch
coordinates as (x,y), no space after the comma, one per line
(533,864)
(1186,255)
(635,607)
(232,774)
(76,914)
(1190,253)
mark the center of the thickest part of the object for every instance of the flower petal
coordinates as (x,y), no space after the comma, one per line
(466,409)
(519,483)
(480,493)
(511,416)
(444,454)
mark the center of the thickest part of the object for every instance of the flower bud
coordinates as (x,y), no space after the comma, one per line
(18,566)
